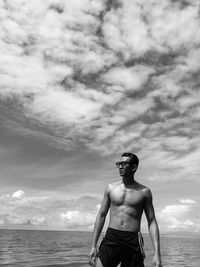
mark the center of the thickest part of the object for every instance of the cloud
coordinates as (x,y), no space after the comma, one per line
(175,210)
(19,194)
(76,218)
(52,211)
(122,76)
(38,220)
(187,201)
(58,211)
(171,31)
(189,223)
(179,217)
(128,78)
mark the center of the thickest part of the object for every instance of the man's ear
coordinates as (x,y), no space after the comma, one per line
(134,167)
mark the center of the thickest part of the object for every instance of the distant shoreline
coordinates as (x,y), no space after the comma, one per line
(90,232)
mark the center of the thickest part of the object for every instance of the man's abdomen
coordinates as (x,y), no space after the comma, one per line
(125,218)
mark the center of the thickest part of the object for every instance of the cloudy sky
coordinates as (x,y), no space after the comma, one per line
(83,81)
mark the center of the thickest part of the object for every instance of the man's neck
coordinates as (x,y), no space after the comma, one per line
(128,180)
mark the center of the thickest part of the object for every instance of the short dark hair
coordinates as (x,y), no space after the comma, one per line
(133,157)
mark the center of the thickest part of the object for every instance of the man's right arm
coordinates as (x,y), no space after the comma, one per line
(99,223)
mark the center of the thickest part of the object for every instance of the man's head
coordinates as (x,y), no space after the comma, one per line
(128,165)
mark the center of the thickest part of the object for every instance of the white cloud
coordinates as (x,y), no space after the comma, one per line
(38,220)
(169,30)
(74,108)
(19,194)
(175,210)
(189,223)
(75,218)
(129,78)
(119,34)
(54,210)
(15,219)
(187,201)
(178,217)
(188,101)
(116,78)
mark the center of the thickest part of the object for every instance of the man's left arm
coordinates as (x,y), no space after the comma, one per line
(153,227)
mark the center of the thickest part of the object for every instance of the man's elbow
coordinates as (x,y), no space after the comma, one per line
(152,222)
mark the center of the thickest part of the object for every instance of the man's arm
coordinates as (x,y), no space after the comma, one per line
(99,223)
(153,227)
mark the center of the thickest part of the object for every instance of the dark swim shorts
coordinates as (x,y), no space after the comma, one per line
(123,247)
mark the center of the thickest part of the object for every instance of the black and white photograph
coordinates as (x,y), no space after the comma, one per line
(99,133)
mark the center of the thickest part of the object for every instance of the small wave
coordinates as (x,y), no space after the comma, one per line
(71,264)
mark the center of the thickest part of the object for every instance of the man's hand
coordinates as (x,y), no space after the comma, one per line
(157,261)
(93,256)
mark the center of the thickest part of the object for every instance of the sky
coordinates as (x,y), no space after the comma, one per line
(83,81)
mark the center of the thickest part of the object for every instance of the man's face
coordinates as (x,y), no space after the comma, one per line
(125,167)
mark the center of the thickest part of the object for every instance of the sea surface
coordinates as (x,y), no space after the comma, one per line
(62,248)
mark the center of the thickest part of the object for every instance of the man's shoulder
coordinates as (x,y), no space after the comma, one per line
(146,191)
(143,188)
(111,186)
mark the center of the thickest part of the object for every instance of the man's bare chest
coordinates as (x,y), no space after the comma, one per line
(128,197)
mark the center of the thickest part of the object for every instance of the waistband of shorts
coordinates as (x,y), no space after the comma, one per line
(121,232)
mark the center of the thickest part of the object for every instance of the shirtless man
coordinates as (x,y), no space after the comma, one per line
(126,200)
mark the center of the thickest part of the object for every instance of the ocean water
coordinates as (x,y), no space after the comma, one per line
(22,248)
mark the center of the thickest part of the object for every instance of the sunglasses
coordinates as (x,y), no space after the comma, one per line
(122,164)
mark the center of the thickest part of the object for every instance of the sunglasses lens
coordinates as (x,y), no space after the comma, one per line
(118,164)
(122,164)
